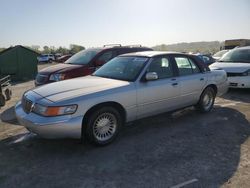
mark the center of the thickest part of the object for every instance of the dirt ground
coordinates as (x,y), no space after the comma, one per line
(181,149)
(7,116)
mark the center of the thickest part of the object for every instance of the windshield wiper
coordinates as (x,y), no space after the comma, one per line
(227,61)
(234,61)
(110,77)
(103,76)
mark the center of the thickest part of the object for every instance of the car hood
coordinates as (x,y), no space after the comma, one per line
(60,68)
(69,89)
(231,67)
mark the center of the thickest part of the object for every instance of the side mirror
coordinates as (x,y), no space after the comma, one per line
(99,63)
(151,76)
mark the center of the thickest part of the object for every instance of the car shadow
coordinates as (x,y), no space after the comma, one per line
(241,95)
(159,151)
(8,116)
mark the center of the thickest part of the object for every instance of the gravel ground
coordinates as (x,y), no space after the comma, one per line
(182,149)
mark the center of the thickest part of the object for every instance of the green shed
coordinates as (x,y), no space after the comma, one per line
(18,62)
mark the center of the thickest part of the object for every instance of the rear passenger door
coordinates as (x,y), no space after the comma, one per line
(191,79)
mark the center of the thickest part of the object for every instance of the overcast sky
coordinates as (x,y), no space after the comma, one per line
(96,22)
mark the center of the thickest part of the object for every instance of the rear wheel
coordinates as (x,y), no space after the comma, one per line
(206,101)
(103,125)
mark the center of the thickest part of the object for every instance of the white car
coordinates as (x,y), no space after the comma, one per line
(237,65)
(46,58)
(219,54)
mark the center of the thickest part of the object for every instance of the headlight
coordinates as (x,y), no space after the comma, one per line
(247,73)
(57,77)
(54,110)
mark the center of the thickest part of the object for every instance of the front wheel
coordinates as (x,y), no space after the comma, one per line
(103,125)
(8,94)
(206,101)
(2,100)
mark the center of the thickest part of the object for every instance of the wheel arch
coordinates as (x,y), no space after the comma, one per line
(212,86)
(113,104)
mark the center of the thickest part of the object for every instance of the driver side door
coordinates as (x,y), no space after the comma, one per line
(161,95)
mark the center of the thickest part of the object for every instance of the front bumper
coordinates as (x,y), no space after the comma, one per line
(50,127)
(239,82)
(222,88)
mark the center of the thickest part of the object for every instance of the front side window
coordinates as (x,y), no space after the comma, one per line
(186,66)
(122,68)
(162,67)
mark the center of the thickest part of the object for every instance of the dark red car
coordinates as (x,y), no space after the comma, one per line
(83,63)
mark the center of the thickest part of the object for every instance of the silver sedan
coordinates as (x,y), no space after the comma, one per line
(127,88)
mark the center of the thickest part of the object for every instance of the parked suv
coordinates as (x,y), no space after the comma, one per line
(46,58)
(84,63)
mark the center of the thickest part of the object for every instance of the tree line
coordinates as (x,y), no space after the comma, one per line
(194,47)
(73,48)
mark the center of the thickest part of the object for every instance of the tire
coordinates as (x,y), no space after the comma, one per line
(206,101)
(103,125)
(2,100)
(8,94)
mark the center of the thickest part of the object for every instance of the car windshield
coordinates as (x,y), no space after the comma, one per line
(237,55)
(122,68)
(83,57)
(220,53)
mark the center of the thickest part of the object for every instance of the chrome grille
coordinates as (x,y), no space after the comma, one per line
(233,84)
(26,104)
(232,74)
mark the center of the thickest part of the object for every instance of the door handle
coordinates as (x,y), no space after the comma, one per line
(174,84)
(201,79)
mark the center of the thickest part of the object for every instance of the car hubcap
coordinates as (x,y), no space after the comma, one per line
(207,100)
(104,126)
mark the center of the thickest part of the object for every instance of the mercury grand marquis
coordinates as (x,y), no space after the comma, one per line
(127,88)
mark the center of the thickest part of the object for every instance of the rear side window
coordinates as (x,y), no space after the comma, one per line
(186,66)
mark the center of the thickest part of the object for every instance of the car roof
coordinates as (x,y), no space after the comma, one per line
(119,47)
(151,53)
(244,47)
